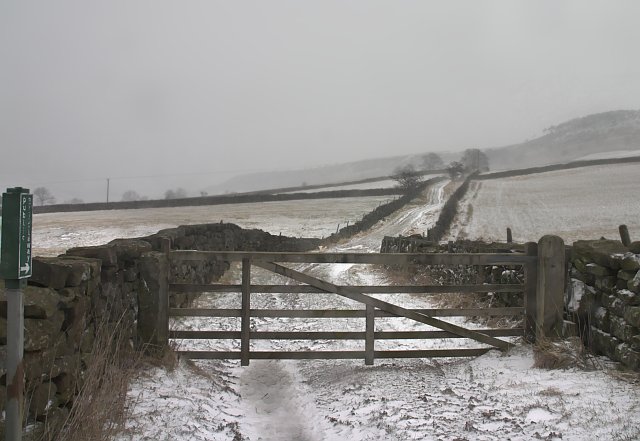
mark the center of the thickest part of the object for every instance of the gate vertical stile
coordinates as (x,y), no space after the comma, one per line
(369,344)
(245,330)
(530,292)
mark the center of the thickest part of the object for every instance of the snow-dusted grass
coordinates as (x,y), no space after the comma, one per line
(583,203)
(55,232)
(389,183)
(607,155)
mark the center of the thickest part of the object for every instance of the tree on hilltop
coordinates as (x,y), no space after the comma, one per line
(474,160)
(407,179)
(43,196)
(455,170)
(432,161)
(178,193)
(130,196)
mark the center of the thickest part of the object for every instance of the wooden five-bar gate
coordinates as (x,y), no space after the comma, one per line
(543,272)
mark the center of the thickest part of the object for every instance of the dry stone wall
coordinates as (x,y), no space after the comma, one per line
(602,292)
(464,274)
(603,297)
(71,297)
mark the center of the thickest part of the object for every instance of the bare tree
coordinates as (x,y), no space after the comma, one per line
(130,195)
(178,193)
(474,160)
(432,161)
(455,170)
(43,196)
(407,179)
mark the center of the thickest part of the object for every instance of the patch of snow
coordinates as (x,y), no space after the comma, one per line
(608,155)
(537,415)
(578,289)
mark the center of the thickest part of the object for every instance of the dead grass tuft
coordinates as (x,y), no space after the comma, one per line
(626,375)
(98,410)
(550,392)
(563,354)
(213,373)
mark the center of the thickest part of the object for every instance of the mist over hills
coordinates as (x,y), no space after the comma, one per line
(599,133)
(326,174)
(613,131)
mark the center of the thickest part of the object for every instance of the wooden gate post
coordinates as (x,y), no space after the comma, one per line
(153,301)
(530,292)
(550,296)
(624,235)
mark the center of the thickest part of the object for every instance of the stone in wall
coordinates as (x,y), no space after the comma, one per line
(632,315)
(630,262)
(601,252)
(630,358)
(604,343)
(580,298)
(634,247)
(634,283)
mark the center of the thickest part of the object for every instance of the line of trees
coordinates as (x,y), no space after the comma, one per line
(43,196)
(471,161)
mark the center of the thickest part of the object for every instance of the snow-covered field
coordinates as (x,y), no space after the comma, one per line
(493,397)
(389,183)
(583,203)
(607,155)
(55,232)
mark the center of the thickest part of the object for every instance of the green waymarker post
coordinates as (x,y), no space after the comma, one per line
(15,269)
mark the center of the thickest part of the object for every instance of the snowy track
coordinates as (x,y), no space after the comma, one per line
(493,397)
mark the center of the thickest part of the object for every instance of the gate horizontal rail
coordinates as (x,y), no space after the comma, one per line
(396,289)
(362,258)
(335,335)
(334,355)
(342,313)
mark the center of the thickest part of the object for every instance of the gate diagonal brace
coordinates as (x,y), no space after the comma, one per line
(358,296)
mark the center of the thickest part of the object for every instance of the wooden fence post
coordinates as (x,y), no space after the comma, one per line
(550,297)
(369,343)
(245,330)
(153,301)
(530,291)
(624,235)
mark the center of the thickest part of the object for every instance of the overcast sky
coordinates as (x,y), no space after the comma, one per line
(129,88)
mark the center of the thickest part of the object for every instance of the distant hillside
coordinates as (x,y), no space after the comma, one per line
(591,135)
(327,174)
(598,134)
